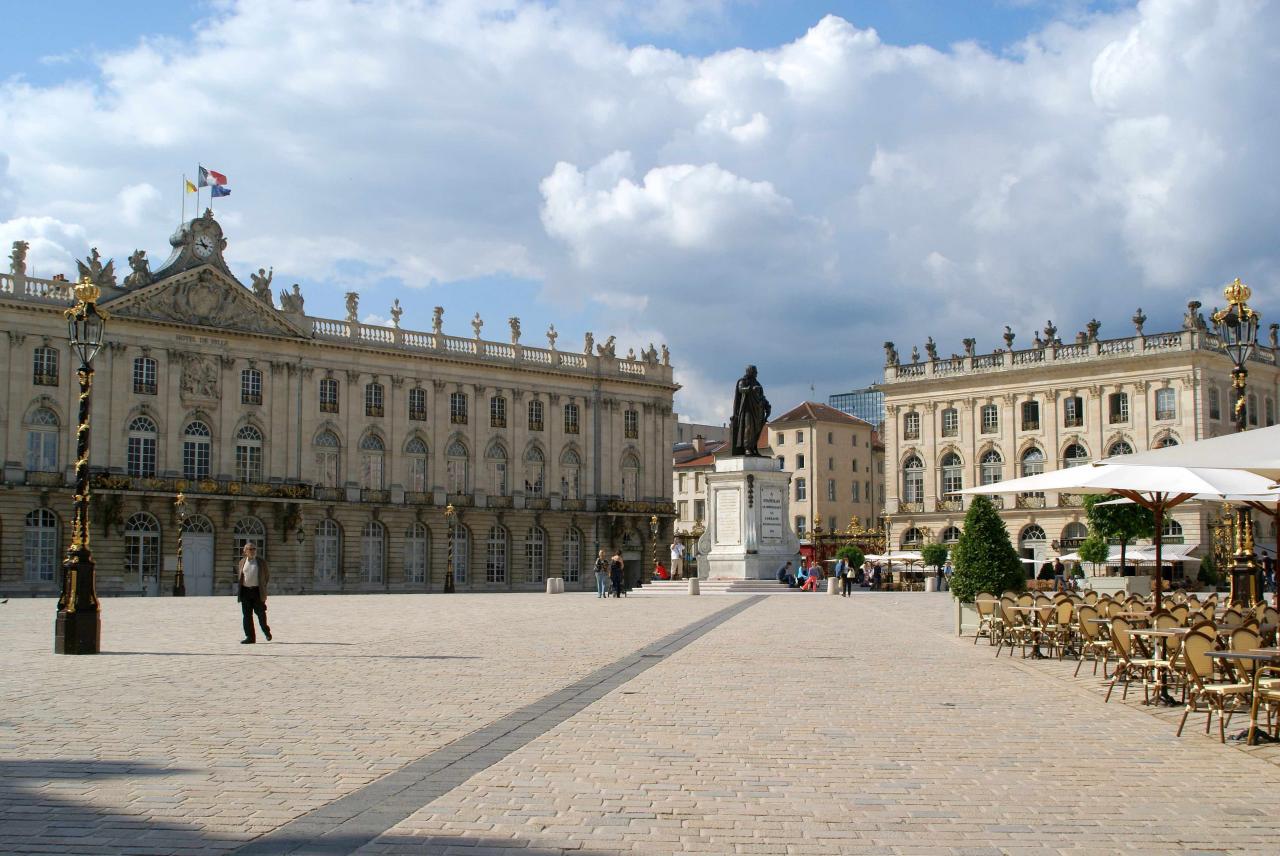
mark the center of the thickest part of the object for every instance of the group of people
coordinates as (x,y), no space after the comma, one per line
(869,574)
(610,576)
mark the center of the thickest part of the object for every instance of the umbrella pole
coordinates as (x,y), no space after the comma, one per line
(1157,510)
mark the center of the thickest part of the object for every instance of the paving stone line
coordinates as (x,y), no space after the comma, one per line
(350,822)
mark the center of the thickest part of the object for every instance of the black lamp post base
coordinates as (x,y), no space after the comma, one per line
(77,632)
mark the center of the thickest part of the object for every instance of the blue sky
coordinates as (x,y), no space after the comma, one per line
(776,184)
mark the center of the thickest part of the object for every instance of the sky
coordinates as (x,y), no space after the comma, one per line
(789,184)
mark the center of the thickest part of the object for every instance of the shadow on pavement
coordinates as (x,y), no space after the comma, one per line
(288,656)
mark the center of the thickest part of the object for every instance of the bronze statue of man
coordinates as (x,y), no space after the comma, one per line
(750,412)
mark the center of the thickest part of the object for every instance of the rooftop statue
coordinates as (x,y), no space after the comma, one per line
(141,270)
(262,284)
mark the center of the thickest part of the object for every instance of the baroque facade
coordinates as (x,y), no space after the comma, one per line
(334,445)
(961,421)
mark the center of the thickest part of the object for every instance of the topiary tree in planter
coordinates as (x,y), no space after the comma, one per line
(934,555)
(852,555)
(984,557)
(1094,550)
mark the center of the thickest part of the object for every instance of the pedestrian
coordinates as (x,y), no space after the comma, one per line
(947,570)
(1059,574)
(846,579)
(602,575)
(876,575)
(615,574)
(252,577)
(677,558)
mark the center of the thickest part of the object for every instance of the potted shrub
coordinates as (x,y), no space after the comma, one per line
(984,560)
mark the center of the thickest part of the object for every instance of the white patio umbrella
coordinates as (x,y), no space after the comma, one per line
(1157,488)
(1256,451)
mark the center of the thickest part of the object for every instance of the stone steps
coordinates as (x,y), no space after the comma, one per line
(681,587)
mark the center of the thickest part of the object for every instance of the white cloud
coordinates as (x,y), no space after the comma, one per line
(792,206)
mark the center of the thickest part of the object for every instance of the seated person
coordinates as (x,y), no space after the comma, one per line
(661,572)
(810,583)
(784,574)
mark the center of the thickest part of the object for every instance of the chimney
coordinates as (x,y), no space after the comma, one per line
(699,442)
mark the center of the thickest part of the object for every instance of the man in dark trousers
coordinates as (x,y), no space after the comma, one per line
(615,574)
(253,576)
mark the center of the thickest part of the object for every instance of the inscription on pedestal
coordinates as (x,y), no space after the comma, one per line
(728,517)
(771,516)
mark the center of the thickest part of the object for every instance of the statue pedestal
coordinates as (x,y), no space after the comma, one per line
(749,532)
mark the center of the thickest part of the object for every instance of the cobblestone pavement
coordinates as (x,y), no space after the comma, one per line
(806,724)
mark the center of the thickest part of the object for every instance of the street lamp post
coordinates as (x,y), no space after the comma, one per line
(1237,327)
(78,629)
(180,508)
(450,520)
(653,544)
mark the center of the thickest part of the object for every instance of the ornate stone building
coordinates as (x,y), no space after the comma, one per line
(971,419)
(332,444)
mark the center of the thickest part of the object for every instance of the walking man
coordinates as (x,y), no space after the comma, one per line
(253,576)
(846,579)
(602,575)
(677,558)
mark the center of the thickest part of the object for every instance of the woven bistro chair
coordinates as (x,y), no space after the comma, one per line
(1231,619)
(1026,599)
(1180,612)
(1201,687)
(985,603)
(1064,632)
(1122,650)
(1165,620)
(1094,640)
(1266,693)
(1012,630)
(1192,602)
(1091,597)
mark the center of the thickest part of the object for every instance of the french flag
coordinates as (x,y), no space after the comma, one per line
(211,177)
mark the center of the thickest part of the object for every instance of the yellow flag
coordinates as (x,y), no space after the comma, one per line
(191,188)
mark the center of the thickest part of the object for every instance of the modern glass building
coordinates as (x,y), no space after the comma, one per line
(866,404)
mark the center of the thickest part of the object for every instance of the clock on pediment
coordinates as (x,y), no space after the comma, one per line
(196,242)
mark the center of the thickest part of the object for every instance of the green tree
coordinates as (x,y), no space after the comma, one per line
(852,555)
(1120,523)
(1208,573)
(934,555)
(984,557)
(1094,549)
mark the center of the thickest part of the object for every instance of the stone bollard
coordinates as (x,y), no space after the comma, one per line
(833,585)
(693,586)
(551,585)
(930,583)
(559,584)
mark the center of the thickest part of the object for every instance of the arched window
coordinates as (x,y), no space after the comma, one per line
(535,553)
(141,450)
(373,551)
(571,418)
(570,474)
(535,415)
(496,457)
(328,548)
(456,467)
(372,453)
(1075,455)
(461,552)
(42,441)
(328,459)
(950,535)
(417,547)
(1073,535)
(198,524)
(249,530)
(992,467)
(952,472)
(40,546)
(1031,534)
(912,538)
(144,376)
(1119,447)
(196,450)
(495,555)
(1171,531)
(630,478)
(142,549)
(249,454)
(535,471)
(1032,462)
(415,456)
(1166,441)
(571,555)
(912,480)
(373,399)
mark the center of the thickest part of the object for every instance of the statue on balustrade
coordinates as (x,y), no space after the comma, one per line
(292,302)
(750,413)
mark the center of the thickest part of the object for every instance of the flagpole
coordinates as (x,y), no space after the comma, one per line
(184,200)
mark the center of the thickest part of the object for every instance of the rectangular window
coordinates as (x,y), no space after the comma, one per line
(911,426)
(144,376)
(1118,407)
(831,463)
(373,399)
(799,436)
(248,463)
(1166,404)
(680,480)
(1072,412)
(44,367)
(458,408)
(195,459)
(782,462)
(683,509)
(42,450)
(250,386)
(801,524)
(699,509)
(535,415)
(1030,416)
(780,439)
(571,418)
(801,489)
(831,490)
(697,482)
(856,490)
(1215,403)
(328,395)
(631,424)
(990,419)
(418,405)
(497,412)
(829,437)
(799,462)
(950,422)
